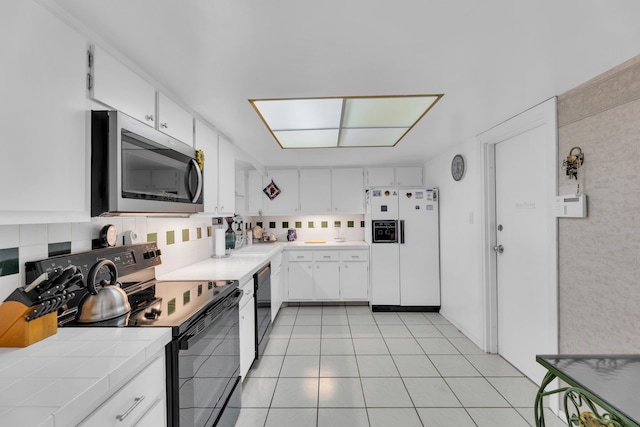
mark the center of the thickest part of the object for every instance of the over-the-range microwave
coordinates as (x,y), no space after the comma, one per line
(136,169)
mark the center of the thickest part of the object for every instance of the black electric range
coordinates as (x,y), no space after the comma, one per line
(203,358)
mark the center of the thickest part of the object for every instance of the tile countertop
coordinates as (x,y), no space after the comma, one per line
(62,379)
(243,263)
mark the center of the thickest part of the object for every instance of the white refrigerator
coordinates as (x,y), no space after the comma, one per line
(403,230)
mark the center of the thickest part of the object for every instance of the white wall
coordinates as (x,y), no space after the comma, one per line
(460,237)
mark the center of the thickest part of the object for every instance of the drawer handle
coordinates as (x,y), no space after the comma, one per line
(136,402)
(355,256)
(300,256)
(326,256)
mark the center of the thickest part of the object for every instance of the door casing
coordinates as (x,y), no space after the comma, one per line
(543,114)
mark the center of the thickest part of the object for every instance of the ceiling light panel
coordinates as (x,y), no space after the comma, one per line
(385,111)
(323,138)
(374,137)
(295,114)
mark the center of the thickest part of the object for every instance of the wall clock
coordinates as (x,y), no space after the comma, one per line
(457,167)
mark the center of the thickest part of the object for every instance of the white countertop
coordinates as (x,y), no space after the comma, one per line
(60,380)
(243,263)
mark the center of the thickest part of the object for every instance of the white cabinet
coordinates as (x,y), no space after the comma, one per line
(135,403)
(118,87)
(287,201)
(219,170)
(380,177)
(354,275)
(44,121)
(328,275)
(409,176)
(405,176)
(254,193)
(277,288)
(247,328)
(226,177)
(315,191)
(300,275)
(174,120)
(207,141)
(347,190)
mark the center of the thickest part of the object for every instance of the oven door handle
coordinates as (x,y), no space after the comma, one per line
(218,311)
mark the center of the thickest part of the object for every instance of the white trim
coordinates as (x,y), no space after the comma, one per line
(545,115)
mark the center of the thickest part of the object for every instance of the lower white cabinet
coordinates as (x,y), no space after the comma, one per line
(354,275)
(141,402)
(277,292)
(327,275)
(247,328)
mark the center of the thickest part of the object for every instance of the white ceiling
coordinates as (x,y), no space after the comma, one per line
(492,59)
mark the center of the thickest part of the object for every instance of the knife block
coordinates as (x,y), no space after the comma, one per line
(16,331)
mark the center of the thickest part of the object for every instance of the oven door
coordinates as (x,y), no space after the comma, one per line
(204,372)
(384,231)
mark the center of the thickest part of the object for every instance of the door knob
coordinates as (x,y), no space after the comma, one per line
(499,249)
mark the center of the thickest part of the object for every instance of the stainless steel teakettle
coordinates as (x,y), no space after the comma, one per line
(106,302)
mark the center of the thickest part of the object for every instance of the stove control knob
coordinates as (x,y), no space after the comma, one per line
(149,254)
(158,252)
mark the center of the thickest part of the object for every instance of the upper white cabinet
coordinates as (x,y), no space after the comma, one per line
(347,190)
(207,141)
(253,195)
(219,170)
(380,177)
(226,176)
(406,176)
(315,191)
(287,201)
(114,84)
(120,88)
(174,120)
(44,121)
(409,176)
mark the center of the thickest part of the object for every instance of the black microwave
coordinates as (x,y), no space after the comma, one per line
(136,169)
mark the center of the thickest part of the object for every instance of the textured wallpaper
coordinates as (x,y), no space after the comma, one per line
(599,256)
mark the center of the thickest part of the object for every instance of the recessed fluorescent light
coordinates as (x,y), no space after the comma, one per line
(368,121)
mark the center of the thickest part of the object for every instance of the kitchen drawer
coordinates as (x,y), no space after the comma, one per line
(127,405)
(326,255)
(298,256)
(362,255)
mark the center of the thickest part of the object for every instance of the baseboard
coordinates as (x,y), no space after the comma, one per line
(406,308)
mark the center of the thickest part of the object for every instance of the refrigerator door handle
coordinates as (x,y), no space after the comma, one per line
(402,231)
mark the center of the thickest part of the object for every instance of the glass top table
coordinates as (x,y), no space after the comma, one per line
(611,382)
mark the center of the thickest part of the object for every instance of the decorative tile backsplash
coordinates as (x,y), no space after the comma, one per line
(327,227)
(183,241)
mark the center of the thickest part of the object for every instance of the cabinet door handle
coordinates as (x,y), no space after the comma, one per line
(149,117)
(136,402)
(164,125)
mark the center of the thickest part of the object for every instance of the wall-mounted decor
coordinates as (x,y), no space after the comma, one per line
(457,167)
(271,190)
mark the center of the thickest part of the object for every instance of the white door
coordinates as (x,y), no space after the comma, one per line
(522,244)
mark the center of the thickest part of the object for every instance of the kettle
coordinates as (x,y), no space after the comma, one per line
(105,303)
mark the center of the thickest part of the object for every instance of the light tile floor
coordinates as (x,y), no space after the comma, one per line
(346,366)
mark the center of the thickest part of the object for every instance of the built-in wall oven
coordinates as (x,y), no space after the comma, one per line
(203,358)
(384,231)
(262,292)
